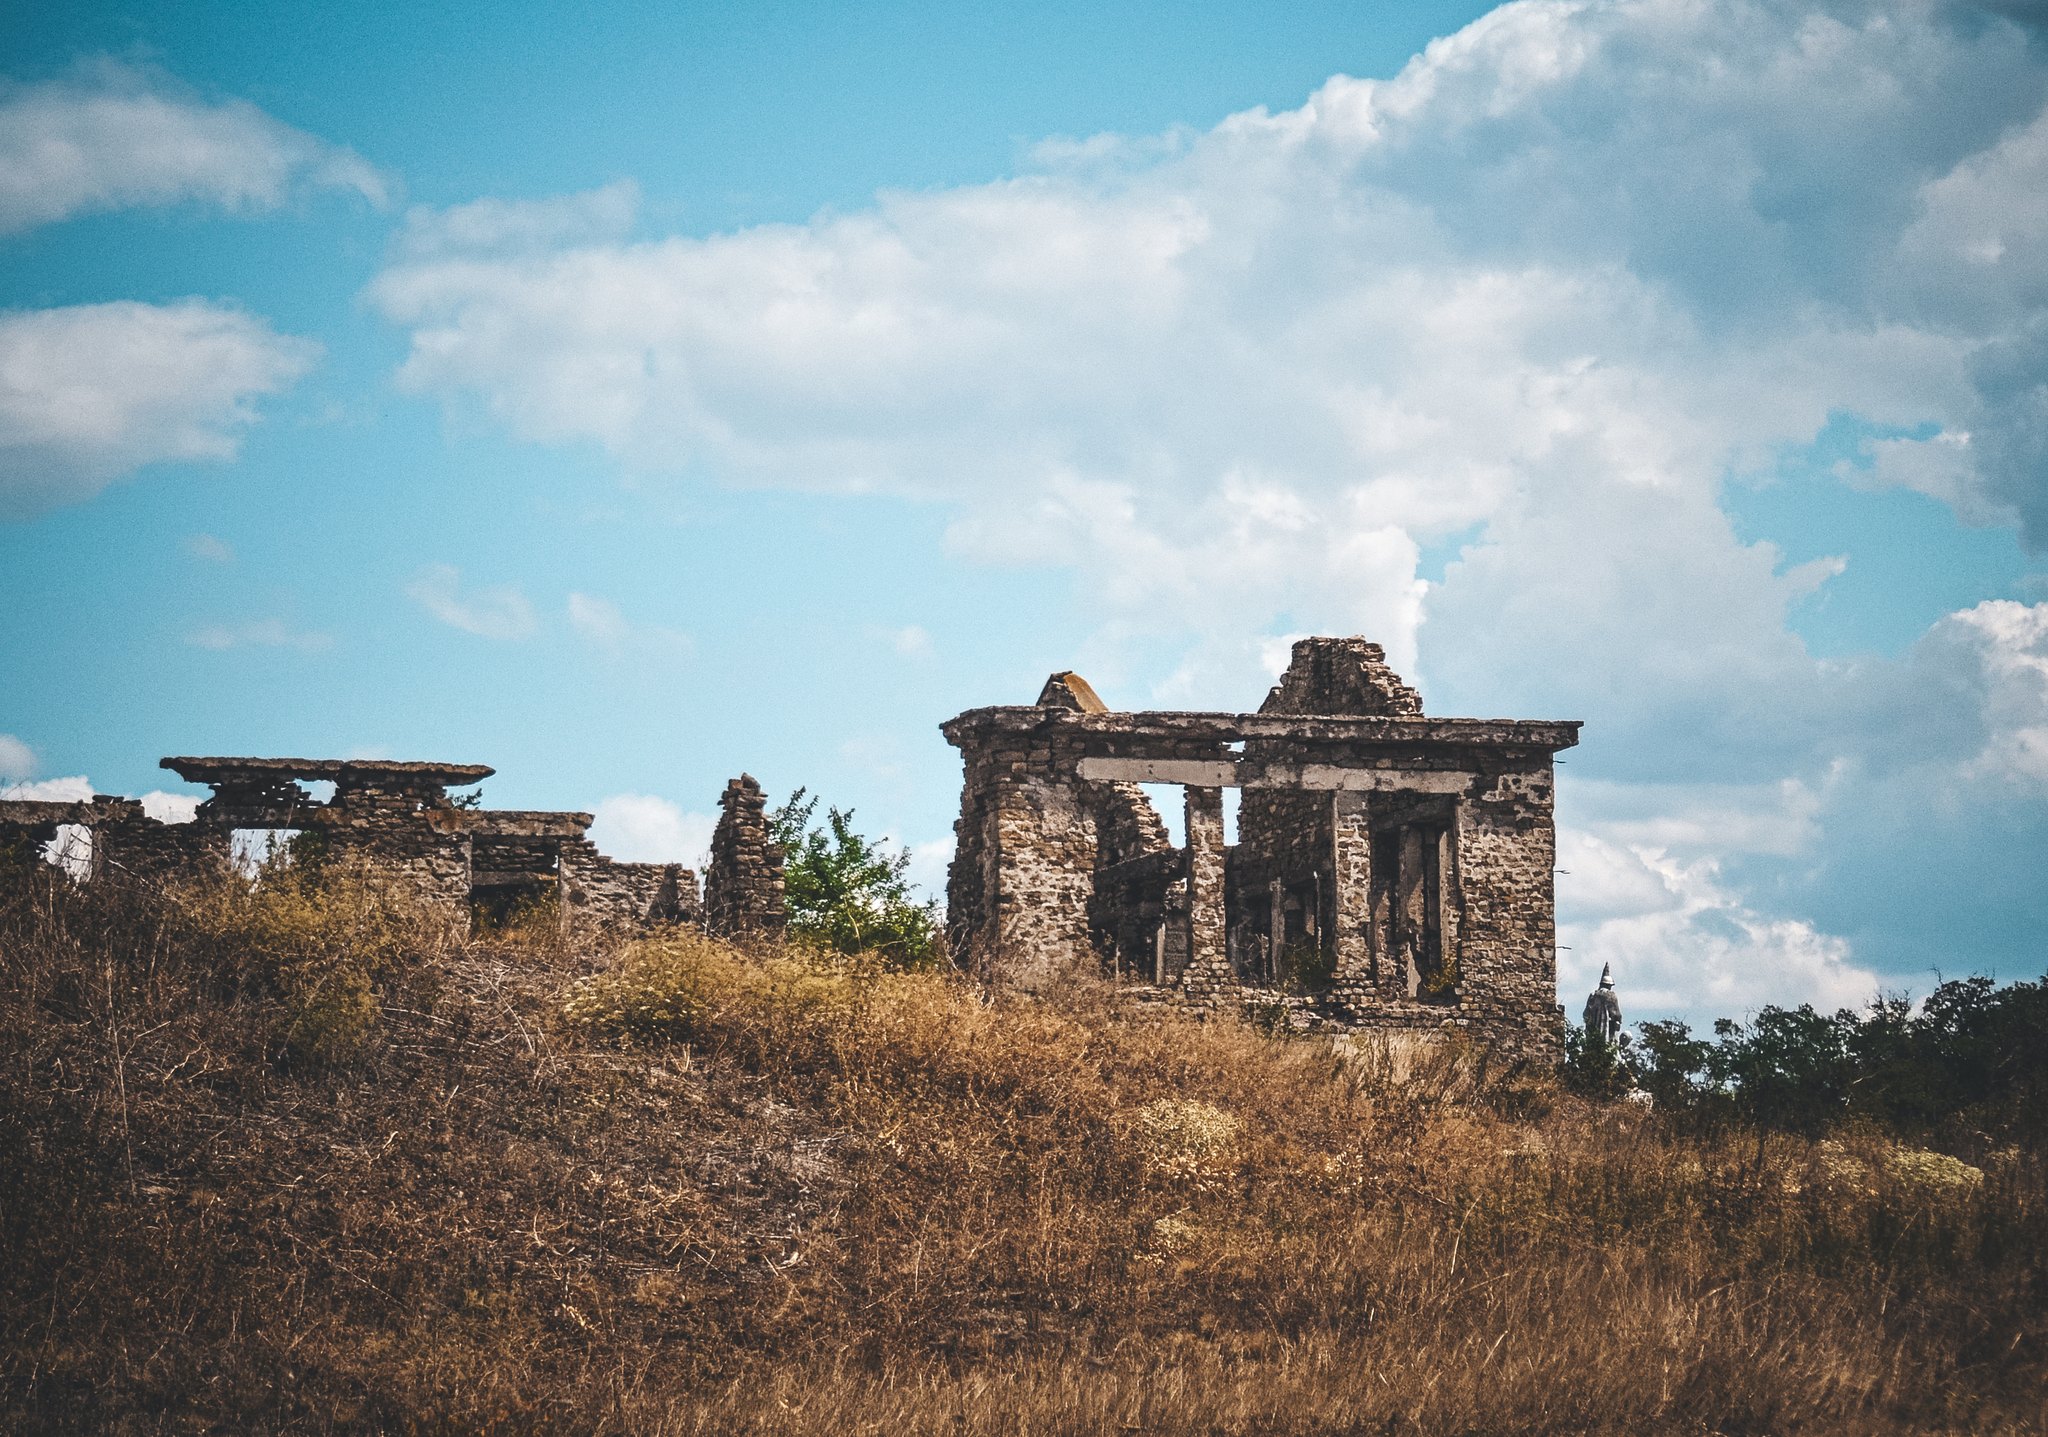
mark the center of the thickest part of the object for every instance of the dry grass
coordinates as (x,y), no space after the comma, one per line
(686,1189)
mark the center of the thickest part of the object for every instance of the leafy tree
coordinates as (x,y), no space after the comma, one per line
(1592,1065)
(1975,1055)
(848,892)
(1670,1065)
(1790,1068)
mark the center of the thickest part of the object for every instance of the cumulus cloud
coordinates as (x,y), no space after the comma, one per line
(496,613)
(1540,295)
(170,807)
(112,136)
(641,828)
(1680,940)
(77,789)
(90,392)
(2011,641)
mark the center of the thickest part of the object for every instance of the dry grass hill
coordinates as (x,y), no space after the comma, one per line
(288,1161)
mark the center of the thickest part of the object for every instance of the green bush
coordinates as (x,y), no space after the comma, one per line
(848,893)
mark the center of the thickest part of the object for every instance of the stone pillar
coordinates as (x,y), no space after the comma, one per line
(405,839)
(1208,967)
(743,885)
(1351,903)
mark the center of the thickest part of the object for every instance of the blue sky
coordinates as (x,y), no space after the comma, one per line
(631,396)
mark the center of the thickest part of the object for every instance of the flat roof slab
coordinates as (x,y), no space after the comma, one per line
(355,771)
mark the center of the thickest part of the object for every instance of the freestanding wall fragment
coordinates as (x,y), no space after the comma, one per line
(743,885)
(1401,865)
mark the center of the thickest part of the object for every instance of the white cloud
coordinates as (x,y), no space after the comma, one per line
(2012,640)
(205,546)
(497,613)
(598,620)
(90,392)
(500,227)
(605,625)
(261,634)
(50,790)
(1545,291)
(17,759)
(113,136)
(1679,940)
(170,807)
(641,828)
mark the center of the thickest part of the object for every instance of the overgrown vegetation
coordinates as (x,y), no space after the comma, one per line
(1970,1066)
(677,1188)
(849,893)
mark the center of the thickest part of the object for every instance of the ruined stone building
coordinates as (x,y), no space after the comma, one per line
(1399,865)
(396,822)
(1396,867)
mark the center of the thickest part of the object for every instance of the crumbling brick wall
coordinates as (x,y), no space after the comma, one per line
(743,886)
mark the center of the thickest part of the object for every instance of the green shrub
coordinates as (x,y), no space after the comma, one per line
(848,893)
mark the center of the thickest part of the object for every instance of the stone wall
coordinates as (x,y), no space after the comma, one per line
(119,841)
(743,885)
(599,893)
(392,820)
(1409,859)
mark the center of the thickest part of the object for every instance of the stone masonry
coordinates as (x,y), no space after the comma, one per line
(392,819)
(743,885)
(1399,864)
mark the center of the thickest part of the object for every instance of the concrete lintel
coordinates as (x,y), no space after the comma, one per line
(1326,777)
(1126,731)
(1199,773)
(1319,777)
(510,822)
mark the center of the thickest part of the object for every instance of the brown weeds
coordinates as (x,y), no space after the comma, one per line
(682,1188)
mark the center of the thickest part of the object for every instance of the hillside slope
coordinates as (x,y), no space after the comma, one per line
(288,1162)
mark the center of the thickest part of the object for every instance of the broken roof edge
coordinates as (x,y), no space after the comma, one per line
(1228,728)
(195,769)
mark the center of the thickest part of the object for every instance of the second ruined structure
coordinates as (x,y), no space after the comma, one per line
(396,822)
(1399,865)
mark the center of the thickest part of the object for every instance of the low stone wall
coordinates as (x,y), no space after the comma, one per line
(601,894)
